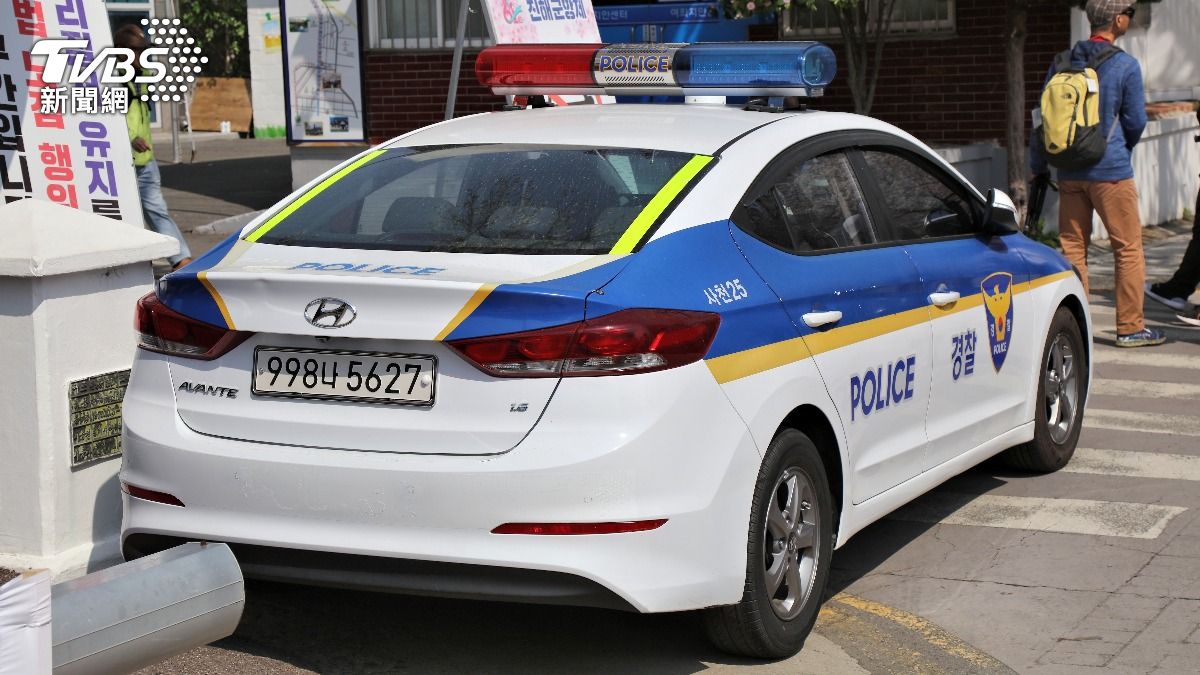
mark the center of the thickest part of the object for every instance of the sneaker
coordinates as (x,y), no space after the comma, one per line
(1147,337)
(1153,291)
(1193,319)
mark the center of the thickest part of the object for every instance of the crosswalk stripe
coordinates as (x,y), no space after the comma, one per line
(1152,357)
(1143,389)
(1157,423)
(1134,464)
(1071,516)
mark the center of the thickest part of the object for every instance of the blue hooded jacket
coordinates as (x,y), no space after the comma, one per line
(1121,94)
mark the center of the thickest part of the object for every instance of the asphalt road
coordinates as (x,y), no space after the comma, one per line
(1093,569)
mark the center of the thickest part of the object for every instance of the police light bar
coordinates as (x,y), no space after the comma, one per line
(700,69)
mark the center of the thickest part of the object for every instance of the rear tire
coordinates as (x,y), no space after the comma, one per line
(1061,393)
(788,555)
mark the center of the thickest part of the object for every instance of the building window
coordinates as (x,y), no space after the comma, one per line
(424,24)
(910,17)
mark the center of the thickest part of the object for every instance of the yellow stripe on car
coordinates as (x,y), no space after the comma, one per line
(760,359)
(472,303)
(203,277)
(649,215)
(304,198)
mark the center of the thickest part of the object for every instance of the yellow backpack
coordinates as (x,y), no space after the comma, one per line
(1070,130)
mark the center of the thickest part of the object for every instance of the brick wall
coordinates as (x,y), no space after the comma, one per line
(945,90)
(407,90)
(952,90)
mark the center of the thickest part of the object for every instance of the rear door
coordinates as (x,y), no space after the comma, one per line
(806,229)
(971,282)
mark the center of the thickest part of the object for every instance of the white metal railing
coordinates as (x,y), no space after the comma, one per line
(423,24)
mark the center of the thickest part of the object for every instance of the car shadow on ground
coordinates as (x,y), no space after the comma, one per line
(871,548)
(332,630)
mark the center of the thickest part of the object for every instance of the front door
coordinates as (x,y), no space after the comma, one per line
(981,348)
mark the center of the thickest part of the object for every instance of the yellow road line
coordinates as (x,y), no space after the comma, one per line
(646,219)
(304,198)
(930,633)
(473,302)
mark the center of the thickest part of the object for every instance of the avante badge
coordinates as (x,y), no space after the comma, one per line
(329,313)
(997,300)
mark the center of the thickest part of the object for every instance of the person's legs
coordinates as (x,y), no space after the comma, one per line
(1187,277)
(1117,204)
(154,208)
(1075,224)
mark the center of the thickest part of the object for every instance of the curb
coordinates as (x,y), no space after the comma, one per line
(227,225)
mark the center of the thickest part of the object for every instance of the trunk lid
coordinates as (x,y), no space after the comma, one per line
(403,303)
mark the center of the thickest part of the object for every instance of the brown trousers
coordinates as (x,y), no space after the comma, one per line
(1117,204)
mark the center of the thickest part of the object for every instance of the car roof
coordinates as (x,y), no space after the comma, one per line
(691,128)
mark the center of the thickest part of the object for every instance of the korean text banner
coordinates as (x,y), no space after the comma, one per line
(78,159)
(322,66)
(542,21)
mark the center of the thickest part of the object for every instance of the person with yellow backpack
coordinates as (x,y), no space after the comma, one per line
(1093,112)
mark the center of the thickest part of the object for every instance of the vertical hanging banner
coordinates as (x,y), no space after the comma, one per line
(65,144)
(542,21)
(322,68)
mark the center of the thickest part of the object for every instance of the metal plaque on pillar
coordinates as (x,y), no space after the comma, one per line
(95,404)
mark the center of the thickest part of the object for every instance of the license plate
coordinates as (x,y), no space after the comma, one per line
(345,376)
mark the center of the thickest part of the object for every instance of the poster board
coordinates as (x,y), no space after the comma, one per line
(542,21)
(78,159)
(322,66)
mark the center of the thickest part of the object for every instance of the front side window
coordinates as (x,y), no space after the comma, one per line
(495,198)
(814,206)
(918,203)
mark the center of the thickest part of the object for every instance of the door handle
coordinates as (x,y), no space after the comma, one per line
(818,319)
(944,298)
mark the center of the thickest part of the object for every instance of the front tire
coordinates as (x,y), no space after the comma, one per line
(1062,388)
(789,548)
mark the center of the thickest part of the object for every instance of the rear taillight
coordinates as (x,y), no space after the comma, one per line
(624,342)
(162,329)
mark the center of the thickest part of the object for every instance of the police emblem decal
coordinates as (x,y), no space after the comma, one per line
(997,302)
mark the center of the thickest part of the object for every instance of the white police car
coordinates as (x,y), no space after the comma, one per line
(653,357)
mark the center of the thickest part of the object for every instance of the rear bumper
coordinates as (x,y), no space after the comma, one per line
(658,445)
(395,575)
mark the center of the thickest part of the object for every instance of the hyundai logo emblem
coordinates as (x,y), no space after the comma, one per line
(329,313)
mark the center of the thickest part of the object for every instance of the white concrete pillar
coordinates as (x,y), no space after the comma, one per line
(68,284)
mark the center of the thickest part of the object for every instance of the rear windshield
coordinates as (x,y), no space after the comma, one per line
(492,198)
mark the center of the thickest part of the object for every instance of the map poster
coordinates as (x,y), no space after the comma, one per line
(322,63)
(81,157)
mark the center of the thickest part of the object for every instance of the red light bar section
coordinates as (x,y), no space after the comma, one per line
(579,528)
(558,66)
(150,495)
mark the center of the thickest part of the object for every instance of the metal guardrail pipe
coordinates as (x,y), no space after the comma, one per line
(141,612)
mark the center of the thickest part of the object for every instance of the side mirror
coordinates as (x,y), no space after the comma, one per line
(1000,216)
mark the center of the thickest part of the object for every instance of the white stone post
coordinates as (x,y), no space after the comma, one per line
(68,284)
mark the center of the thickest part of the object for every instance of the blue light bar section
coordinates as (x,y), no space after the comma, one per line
(810,65)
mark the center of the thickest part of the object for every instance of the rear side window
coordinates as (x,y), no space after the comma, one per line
(484,199)
(814,206)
